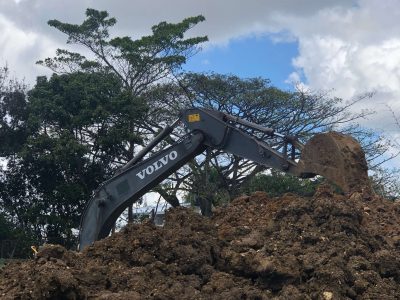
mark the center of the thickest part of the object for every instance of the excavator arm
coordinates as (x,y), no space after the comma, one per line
(117,193)
(205,129)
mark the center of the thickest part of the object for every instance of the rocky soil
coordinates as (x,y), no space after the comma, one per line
(329,246)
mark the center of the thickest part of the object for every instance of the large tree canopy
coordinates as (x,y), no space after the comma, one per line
(299,113)
(72,131)
(137,63)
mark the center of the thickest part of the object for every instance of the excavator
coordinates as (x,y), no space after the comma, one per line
(337,157)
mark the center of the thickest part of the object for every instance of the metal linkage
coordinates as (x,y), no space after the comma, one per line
(287,139)
(165,132)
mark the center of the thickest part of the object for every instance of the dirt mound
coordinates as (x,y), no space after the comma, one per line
(326,247)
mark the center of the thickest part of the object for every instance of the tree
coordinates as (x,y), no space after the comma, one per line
(15,238)
(141,64)
(12,111)
(138,64)
(299,113)
(65,154)
(75,127)
(15,242)
(386,179)
(72,131)
(278,183)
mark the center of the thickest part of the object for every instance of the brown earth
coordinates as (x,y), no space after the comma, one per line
(337,157)
(326,247)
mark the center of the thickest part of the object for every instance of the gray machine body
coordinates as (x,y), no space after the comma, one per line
(206,129)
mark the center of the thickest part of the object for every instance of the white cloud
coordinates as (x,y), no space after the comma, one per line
(353,50)
(348,46)
(17,47)
(135,18)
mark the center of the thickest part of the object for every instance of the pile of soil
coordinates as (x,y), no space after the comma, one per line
(329,246)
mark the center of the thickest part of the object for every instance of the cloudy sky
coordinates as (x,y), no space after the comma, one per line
(344,46)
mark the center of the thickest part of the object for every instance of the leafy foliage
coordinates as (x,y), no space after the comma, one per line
(277,183)
(137,63)
(298,113)
(72,131)
(15,242)
(77,126)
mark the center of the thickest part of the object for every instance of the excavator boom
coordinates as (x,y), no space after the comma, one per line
(330,155)
(116,194)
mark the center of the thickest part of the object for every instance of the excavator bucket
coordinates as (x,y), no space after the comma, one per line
(337,157)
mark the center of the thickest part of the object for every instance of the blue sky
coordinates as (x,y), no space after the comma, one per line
(249,57)
(346,47)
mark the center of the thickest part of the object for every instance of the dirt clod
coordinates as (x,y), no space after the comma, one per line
(329,246)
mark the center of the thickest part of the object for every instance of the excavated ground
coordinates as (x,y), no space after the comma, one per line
(326,247)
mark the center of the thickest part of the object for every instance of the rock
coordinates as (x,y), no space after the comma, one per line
(327,295)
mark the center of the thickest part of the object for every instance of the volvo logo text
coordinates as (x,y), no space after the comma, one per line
(157,165)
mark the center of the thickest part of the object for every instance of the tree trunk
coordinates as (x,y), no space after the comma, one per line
(130,213)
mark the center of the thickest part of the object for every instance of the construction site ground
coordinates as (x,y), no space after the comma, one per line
(329,246)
